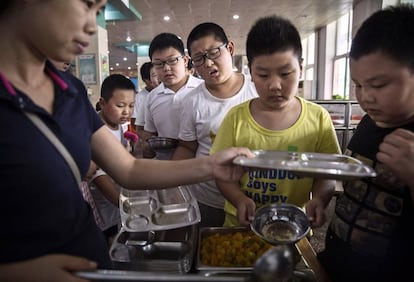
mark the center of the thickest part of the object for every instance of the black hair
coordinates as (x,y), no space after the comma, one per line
(145,71)
(113,82)
(390,31)
(272,34)
(206,29)
(166,40)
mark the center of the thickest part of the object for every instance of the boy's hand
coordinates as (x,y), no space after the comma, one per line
(397,153)
(315,212)
(246,208)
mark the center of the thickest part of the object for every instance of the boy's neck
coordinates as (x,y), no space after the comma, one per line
(227,89)
(178,85)
(109,125)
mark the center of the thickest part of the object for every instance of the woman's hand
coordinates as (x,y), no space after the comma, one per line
(223,167)
(46,268)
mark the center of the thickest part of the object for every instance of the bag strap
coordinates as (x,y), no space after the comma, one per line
(57,143)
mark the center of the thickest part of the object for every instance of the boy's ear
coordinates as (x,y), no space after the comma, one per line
(186,59)
(102,102)
(231,47)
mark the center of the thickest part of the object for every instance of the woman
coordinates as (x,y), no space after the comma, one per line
(48,229)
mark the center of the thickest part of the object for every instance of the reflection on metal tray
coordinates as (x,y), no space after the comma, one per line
(121,275)
(316,165)
(299,275)
(207,231)
(166,250)
(144,210)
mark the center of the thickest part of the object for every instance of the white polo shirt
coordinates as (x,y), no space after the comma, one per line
(164,107)
(200,121)
(139,108)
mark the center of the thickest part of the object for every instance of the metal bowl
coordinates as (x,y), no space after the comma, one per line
(280,224)
(162,144)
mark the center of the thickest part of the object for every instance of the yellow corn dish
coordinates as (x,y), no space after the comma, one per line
(235,249)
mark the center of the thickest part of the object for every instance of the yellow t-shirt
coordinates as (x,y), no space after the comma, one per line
(312,132)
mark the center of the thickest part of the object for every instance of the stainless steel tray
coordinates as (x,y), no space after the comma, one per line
(315,165)
(158,209)
(122,275)
(166,250)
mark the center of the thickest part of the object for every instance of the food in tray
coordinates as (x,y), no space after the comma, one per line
(240,248)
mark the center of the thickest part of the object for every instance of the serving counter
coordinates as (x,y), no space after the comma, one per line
(171,255)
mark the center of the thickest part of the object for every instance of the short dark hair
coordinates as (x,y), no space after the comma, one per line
(145,71)
(390,31)
(113,82)
(166,40)
(206,29)
(272,34)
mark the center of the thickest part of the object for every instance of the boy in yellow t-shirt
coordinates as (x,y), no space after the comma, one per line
(276,120)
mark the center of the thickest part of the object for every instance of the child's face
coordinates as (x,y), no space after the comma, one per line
(384,88)
(214,71)
(276,78)
(118,109)
(173,76)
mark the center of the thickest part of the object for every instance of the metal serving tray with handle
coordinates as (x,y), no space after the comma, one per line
(166,250)
(315,165)
(152,210)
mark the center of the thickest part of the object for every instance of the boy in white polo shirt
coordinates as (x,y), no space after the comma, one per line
(162,114)
(206,106)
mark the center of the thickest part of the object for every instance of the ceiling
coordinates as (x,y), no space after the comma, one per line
(307,15)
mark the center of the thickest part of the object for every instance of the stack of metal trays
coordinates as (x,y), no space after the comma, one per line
(151,210)
(159,231)
(165,250)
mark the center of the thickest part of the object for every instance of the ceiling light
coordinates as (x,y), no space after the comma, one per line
(117,64)
(128,38)
(129,68)
(125,58)
(236,17)
(167,18)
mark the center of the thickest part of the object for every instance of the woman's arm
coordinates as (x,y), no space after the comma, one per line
(133,173)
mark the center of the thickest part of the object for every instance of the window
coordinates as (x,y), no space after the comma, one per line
(341,76)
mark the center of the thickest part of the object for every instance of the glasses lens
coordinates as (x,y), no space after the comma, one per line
(198,61)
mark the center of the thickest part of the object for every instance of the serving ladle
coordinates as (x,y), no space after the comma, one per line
(275,265)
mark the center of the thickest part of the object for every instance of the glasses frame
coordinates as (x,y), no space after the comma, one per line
(207,55)
(171,62)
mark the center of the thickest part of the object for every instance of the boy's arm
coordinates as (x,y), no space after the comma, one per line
(244,205)
(185,150)
(397,152)
(322,192)
(108,188)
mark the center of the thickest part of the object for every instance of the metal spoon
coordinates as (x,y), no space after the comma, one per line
(275,265)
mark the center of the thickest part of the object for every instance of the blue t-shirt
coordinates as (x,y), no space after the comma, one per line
(42,210)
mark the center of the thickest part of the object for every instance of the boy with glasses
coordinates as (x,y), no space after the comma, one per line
(164,102)
(206,106)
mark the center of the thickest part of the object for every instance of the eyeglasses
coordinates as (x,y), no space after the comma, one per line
(171,62)
(211,54)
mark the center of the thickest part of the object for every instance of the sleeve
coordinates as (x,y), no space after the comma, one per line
(134,114)
(226,134)
(187,131)
(141,109)
(98,172)
(149,121)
